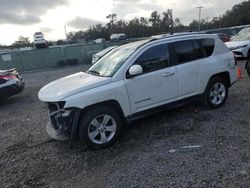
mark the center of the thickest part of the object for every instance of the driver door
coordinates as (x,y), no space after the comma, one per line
(157,85)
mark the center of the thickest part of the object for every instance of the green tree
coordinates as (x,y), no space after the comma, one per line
(21,42)
(143,21)
(167,22)
(112,20)
(239,15)
(155,20)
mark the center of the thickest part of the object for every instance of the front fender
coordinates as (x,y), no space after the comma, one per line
(113,91)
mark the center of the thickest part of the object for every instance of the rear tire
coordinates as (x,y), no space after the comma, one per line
(100,127)
(216,93)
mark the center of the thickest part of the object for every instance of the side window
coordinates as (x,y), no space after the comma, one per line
(198,49)
(208,45)
(188,50)
(154,58)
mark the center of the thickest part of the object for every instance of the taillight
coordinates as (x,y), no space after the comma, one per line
(7,77)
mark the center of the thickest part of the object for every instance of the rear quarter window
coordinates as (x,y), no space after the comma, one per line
(208,45)
(189,50)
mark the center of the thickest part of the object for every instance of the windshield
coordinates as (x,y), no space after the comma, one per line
(243,35)
(110,63)
(103,52)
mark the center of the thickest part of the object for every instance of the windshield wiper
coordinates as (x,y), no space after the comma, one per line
(94,72)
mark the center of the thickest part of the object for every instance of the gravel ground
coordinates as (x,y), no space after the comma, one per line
(150,152)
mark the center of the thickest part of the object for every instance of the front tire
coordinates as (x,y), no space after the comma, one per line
(100,127)
(216,93)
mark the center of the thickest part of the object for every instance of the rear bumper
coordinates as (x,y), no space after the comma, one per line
(11,90)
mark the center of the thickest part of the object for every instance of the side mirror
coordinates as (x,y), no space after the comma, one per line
(135,70)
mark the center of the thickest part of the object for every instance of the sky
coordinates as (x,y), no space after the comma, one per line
(25,17)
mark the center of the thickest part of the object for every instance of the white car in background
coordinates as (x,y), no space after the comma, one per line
(99,40)
(39,40)
(100,54)
(240,44)
(118,36)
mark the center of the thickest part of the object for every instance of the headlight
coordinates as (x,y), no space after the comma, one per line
(243,46)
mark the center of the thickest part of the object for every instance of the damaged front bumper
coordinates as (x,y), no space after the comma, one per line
(63,122)
(56,133)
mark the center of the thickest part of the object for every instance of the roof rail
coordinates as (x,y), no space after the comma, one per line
(163,36)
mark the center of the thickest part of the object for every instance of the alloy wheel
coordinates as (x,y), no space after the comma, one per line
(217,93)
(102,129)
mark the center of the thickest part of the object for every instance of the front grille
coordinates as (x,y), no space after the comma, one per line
(55,114)
(53,121)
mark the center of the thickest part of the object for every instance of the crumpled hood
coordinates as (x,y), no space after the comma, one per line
(233,44)
(69,85)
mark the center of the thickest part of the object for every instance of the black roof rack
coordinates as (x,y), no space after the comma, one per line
(164,36)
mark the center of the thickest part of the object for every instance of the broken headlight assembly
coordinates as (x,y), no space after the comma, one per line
(60,118)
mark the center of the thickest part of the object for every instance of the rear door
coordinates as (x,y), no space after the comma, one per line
(188,60)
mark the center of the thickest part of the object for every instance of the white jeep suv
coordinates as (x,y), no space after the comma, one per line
(135,80)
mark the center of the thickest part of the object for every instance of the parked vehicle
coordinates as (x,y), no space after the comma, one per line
(100,54)
(135,80)
(229,31)
(39,40)
(223,37)
(118,36)
(240,44)
(99,40)
(11,83)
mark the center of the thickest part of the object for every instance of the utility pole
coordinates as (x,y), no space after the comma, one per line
(66,35)
(171,18)
(220,21)
(200,7)
(207,22)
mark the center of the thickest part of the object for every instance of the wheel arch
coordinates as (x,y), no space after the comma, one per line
(109,103)
(225,75)
(213,79)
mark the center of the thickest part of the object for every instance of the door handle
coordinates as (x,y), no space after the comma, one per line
(166,74)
